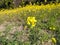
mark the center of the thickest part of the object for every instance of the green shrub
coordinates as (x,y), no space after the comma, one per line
(6,3)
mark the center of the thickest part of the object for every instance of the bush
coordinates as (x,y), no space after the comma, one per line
(9,3)
(6,3)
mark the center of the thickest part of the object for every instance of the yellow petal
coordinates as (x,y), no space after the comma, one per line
(28,23)
(54,40)
(53,28)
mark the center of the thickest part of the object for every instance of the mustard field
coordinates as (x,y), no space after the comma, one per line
(30,25)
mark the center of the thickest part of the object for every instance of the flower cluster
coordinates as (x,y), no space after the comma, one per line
(52,28)
(31,21)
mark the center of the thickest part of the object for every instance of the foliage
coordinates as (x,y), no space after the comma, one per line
(17,3)
(6,3)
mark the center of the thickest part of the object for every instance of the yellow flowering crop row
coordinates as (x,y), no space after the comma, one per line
(29,8)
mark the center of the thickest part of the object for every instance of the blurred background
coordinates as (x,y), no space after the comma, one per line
(17,3)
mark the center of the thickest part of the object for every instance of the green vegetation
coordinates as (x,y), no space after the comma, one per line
(15,26)
(17,3)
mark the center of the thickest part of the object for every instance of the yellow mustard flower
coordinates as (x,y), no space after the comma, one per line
(52,28)
(28,23)
(54,40)
(28,20)
(31,21)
